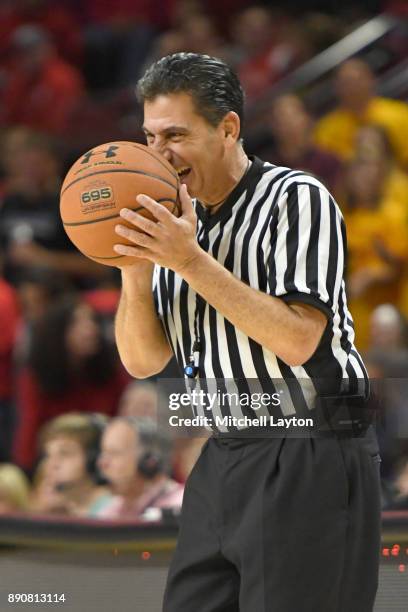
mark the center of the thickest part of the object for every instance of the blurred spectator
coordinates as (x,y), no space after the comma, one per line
(135,461)
(397,498)
(265,46)
(37,289)
(193,31)
(13,141)
(9,317)
(60,22)
(139,399)
(201,36)
(290,128)
(41,89)
(388,371)
(31,231)
(71,365)
(358,106)
(388,329)
(14,489)
(45,497)
(377,245)
(70,446)
(117,41)
(373,144)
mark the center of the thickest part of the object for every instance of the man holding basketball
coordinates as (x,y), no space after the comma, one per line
(248,284)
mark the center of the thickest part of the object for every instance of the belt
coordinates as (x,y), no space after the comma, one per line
(337,416)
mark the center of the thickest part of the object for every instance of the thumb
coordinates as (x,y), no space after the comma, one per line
(186,203)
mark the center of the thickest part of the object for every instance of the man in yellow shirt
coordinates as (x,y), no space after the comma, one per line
(358,106)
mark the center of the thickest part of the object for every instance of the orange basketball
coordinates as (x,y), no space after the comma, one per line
(102,182)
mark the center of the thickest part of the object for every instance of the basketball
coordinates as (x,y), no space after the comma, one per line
(102,182)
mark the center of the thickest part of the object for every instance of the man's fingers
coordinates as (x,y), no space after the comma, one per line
(132,251)
(148,226)
(159,211)
(187,209)
(138,238)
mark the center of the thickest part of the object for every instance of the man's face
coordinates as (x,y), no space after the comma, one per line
(65,460)
(192,146)
(354,84)
(119,455)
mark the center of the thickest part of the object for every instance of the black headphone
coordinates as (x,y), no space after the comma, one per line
(156,445)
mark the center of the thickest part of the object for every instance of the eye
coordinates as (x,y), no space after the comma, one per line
(176,137)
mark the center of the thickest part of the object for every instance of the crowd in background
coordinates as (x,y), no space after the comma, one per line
(77,435)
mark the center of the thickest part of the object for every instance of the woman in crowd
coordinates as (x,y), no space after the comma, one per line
(71,366)
(377,230)
(69,481)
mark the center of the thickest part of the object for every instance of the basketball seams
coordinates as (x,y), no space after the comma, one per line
(118,170)
(99,257)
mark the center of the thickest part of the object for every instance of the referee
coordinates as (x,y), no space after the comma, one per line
(247,284)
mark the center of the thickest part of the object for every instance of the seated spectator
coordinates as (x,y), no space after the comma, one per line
(37,289)
(377,246)
(135,462)
(388,372)
(12,142)
(31,231)
(290,129)
(373,144)
(267,45)
(139,399)
(388,330)
(45,497)
(71,366)
(359,106)
(397,490)
(9,319)
(70,446)
(14,489)
(41,88)
(117,41)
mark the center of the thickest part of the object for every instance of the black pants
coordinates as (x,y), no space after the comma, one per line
(279,525)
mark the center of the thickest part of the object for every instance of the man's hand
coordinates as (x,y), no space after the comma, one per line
(169,242)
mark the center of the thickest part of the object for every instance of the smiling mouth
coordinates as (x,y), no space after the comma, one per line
(183,172)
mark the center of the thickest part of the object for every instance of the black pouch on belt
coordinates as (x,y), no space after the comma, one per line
(344,415)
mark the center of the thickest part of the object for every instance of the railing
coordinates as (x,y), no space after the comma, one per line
(322,64)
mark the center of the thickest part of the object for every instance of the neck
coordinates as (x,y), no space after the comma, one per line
(134,489)
(232,176)
(81,494)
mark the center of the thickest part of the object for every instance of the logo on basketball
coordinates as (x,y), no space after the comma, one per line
(98,196)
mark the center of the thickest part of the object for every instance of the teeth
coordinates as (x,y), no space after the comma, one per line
(182,171)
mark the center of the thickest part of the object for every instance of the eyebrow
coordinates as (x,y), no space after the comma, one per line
(170,130)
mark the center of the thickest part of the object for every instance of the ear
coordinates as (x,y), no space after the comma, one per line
(231,126)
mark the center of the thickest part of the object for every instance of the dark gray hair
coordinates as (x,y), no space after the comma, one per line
(213,85)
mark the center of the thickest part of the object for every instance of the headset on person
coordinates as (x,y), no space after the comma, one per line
(155,446)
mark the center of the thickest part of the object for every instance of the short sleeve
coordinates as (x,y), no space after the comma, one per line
(306,260)
(155,289)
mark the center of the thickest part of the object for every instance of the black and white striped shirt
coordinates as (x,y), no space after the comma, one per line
(281,232)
